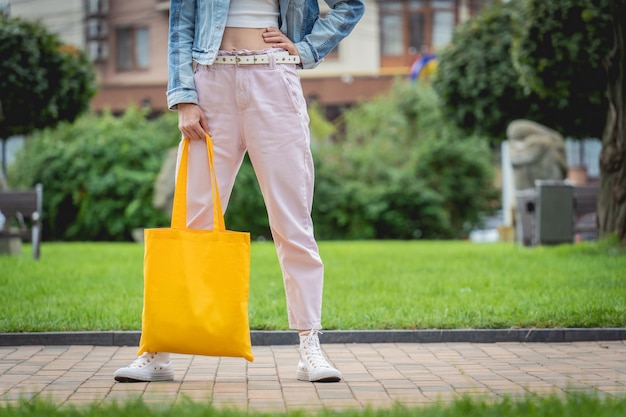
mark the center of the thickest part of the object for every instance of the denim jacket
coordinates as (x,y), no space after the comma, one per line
(197,27)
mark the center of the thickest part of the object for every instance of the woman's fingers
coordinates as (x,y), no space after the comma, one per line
(279,40)
(192,121)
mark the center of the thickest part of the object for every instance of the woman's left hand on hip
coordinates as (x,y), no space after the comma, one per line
(279,40)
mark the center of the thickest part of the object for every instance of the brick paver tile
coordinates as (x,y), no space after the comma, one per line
(375,375)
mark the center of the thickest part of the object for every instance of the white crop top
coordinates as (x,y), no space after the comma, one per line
(252,14)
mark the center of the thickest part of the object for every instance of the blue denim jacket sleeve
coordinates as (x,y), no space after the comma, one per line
(180,84)
(318,35)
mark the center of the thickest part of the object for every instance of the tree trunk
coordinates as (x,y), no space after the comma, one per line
(612,196)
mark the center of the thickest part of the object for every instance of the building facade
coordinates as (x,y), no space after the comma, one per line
(65,18)
(127,41)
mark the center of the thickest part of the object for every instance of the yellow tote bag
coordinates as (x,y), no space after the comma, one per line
(196,282)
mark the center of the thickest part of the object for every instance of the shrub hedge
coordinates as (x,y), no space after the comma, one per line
(98,174)
(399,170)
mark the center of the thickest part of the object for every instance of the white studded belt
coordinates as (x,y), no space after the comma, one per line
(281,58)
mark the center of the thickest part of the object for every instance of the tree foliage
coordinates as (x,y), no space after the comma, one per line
(42,82)
(476,79)
(560,52)
(528,59)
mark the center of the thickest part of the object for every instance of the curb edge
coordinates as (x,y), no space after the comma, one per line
(282,337)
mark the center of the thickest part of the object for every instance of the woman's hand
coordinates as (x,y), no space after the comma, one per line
(279,40)
(192,121)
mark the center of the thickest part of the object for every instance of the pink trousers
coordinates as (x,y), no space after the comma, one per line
(260,109)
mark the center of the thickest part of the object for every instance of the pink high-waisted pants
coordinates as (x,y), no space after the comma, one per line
(261,109)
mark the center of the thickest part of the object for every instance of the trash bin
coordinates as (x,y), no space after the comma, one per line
(554,212)
(525,213)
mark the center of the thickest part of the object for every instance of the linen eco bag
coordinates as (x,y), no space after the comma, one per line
(196,282)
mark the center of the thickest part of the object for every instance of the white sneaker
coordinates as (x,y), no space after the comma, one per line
(313,366)
(149,367)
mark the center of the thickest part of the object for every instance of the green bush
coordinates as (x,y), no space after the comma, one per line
(98,174)
(402,171)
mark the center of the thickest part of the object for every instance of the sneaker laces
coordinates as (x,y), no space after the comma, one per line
(312,351)
(143,360)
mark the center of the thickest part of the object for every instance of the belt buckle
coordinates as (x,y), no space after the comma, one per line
(237,60)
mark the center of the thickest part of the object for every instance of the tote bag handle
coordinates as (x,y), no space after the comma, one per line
(179,207)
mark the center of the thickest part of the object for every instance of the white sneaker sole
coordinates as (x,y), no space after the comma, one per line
(131,375)
(327,375)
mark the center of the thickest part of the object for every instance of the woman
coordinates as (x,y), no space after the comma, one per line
(232,73)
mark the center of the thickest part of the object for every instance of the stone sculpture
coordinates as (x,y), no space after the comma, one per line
(537,153)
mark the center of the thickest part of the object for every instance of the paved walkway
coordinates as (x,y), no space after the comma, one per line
(376,374)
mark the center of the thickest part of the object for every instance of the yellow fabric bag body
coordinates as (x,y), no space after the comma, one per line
(196,282)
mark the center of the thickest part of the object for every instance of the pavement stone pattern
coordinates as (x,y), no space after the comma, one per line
(376,375)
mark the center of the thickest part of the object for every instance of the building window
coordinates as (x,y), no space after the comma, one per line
(444,20)
(409,27)
(133,48)
(391,28)
(96,7)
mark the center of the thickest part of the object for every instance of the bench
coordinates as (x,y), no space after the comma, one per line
(22,209)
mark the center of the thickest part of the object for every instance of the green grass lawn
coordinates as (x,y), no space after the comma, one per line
(369,285)
(573,405)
